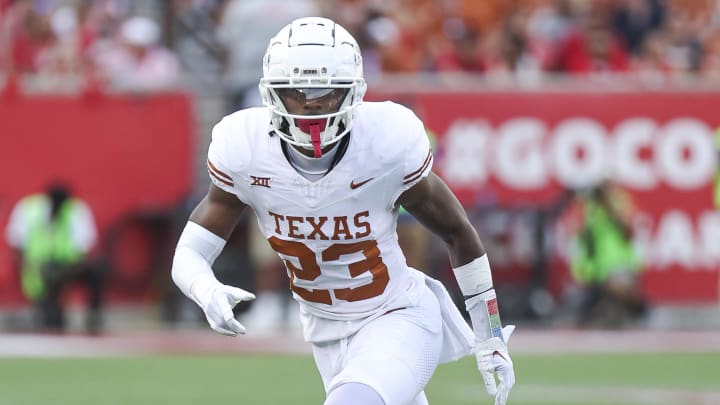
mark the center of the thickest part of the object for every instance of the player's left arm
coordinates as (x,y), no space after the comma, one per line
(432,203)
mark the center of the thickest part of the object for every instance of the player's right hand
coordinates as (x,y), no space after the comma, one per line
(218,309)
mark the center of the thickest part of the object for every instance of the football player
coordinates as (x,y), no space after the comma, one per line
(325,174)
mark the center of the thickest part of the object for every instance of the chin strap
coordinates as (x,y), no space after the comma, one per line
(315,139)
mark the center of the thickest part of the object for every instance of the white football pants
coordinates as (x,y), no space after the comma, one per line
(395,355)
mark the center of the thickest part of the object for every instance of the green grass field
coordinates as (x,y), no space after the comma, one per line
(274,379)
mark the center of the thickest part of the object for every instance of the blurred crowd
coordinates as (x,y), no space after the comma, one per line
(80,44)
(153,44)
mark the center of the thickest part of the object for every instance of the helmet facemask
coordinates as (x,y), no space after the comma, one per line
(312,83)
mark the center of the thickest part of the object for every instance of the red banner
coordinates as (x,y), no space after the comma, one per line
(122,154)
(520,149)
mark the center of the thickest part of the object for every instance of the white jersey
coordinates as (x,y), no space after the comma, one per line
(335,235)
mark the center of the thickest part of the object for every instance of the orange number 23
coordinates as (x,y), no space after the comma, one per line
(309,270)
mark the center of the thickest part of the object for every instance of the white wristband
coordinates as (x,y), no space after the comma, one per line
(202,241)
(474,277)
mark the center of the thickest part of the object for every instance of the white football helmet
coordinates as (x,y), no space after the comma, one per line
(312,82)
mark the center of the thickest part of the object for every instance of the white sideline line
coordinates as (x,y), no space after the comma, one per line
(525,342)
(167,342)
(625,341)
(578,394)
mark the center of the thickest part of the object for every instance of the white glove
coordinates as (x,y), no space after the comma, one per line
(218,303)
(493,360)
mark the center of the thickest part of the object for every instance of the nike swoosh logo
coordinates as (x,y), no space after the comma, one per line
(354,185)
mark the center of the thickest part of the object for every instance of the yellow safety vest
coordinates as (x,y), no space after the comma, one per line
(602,248)
(46,242)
